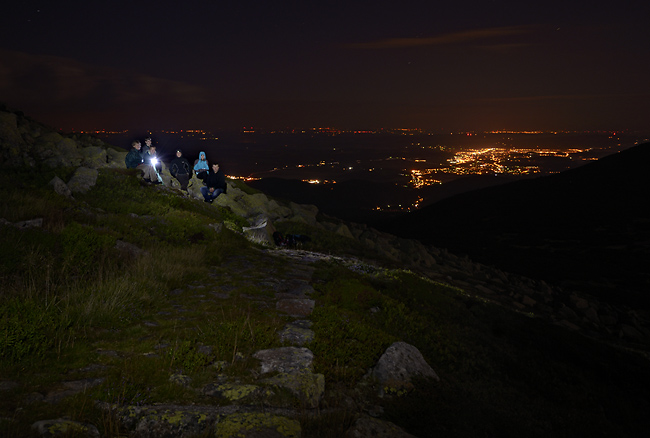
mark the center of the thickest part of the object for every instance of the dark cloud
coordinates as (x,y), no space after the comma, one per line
(445,39)
(28,79)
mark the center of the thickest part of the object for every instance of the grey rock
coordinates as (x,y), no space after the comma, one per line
(181,380)
(295,335)
(83,180)
(261,231)
(60,187)
(129,248)
(398,365)
(305,386)
(298,307)
(285,359)
(32,223)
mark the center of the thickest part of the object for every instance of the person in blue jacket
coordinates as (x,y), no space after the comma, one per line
(201,167)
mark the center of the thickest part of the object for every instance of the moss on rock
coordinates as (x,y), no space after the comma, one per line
(245,425)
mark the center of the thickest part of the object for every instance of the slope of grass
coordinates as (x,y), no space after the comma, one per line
(70,298)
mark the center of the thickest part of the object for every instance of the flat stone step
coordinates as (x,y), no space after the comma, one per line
(296,307)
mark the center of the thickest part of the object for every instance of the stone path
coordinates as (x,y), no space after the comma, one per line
(280,285)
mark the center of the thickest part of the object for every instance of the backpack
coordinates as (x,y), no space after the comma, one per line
(290,240)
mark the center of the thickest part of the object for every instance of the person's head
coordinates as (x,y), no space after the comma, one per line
(202,156)
(152,150)
(215,167)
(147,141)
(136,144)
(178,153)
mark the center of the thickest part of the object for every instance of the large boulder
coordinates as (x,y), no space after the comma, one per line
(227,201)
(115,158)
(396,368)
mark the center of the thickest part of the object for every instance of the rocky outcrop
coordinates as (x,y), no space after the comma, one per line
(24,142)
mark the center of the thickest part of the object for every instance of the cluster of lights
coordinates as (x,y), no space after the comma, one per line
(400,207)
(488,161)
(420,178)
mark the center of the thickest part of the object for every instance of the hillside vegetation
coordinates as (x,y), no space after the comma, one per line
(132,308)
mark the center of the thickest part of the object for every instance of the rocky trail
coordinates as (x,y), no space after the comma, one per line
(283,377)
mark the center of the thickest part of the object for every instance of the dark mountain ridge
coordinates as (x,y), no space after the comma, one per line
(368,202)
(586,229)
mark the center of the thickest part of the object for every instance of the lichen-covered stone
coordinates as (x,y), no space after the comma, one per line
(295,335)
(171,423)
(234,392)
(180,379)
(257,425)
(226,201)
(64,427)
(307,387)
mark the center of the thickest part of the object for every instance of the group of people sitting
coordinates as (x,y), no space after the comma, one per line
(146,159)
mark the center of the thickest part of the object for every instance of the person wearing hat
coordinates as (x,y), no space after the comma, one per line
(180,169)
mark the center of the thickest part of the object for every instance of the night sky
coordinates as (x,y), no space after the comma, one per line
(469,65)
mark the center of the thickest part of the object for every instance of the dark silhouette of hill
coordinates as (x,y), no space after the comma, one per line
(357,200)
(352,200)
(436,193)
(585,229)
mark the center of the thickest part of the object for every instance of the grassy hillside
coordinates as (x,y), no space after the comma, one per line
(189,295)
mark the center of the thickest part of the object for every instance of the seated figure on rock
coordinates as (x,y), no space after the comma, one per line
(215,184)
(180,169)
(201,167)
